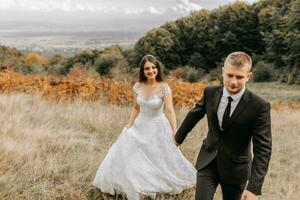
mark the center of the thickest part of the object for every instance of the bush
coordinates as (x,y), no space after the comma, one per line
(178,73)
(57,69)
(215,74)
(293,76)
(192,74)
(34,58)
(262,72)
(110,57)
(78,71)
(120,72)
(187,73)
(297,79)
(37,68)
(57,59)
(105,62)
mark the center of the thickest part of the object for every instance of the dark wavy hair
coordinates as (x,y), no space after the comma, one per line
(152,59)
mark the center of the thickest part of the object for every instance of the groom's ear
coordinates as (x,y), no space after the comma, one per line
(249,75)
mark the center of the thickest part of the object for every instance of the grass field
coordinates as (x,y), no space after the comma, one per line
(277,92)
(52,150)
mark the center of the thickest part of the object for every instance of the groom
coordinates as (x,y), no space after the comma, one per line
(236,118)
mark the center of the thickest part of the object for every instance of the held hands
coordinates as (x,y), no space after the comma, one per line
(178,145)
(247,195)
(128,126)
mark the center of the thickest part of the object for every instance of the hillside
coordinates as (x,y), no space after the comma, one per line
(52,150)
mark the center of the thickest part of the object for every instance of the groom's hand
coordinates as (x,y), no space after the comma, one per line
(247,195)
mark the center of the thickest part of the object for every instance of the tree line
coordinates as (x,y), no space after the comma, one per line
(268,30)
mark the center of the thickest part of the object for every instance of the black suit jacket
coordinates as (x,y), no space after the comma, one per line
(232,146)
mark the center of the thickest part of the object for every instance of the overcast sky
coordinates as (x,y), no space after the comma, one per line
(129,7)
(116,13)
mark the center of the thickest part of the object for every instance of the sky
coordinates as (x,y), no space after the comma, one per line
(128,7)
(105,14)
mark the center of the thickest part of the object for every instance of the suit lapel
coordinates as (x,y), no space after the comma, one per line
(217,98)
(239,108)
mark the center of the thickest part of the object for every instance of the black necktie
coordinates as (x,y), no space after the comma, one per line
(226,114)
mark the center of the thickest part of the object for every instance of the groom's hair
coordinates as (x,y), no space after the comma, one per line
(152,59)
(239,59)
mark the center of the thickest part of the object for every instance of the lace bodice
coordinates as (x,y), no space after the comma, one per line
(152,106)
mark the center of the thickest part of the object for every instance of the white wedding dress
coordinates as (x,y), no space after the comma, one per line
(144,160)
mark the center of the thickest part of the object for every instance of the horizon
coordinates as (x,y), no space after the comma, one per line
(64,25)
(96,15)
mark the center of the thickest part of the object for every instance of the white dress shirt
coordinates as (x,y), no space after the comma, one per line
(224,101)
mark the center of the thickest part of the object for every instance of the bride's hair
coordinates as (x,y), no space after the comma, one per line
(152,59)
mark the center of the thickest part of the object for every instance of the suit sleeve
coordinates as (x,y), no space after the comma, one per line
(262,146)
(191,119)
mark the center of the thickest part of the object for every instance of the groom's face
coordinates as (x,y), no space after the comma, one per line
(235,77)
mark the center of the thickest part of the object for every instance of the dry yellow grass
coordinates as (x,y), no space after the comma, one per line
(52,150)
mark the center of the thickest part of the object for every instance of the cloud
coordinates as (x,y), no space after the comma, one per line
(189,6)
(51,5)
(128,7)
(151,10)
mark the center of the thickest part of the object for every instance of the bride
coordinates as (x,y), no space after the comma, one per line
(144,160)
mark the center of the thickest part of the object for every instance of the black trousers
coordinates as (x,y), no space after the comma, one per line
(208,180)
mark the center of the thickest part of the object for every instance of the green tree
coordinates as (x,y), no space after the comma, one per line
(109,58)
(157,42)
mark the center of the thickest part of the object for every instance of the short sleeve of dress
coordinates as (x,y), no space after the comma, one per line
(166,90)
(136,87)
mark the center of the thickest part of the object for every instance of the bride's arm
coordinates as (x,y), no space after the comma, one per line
(134,112)
(170,113)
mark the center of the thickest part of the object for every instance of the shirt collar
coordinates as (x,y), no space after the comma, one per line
(236,96)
